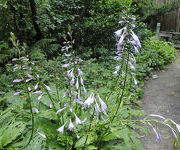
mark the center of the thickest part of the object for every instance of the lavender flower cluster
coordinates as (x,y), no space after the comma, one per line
(74,77)
(74,95)
(166,122)
(127,37)
(126,40)
(24,65)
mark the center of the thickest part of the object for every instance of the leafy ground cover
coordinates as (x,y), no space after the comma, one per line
(15,114)
(72,86)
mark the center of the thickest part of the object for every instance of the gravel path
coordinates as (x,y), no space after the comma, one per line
(162,96)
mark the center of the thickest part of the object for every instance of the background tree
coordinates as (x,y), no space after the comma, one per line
(151,10)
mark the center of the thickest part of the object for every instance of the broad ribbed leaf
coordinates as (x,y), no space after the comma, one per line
(11,132)
(37,143)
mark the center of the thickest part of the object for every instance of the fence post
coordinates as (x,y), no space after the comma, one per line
(158,30)
(177,19)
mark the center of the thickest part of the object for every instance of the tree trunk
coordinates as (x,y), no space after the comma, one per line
(14,16)
(34,19)
(84,10)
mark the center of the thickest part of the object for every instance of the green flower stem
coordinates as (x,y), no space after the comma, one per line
(75,141)
(176,143)
(55,109)
(120,72)
(59,99)
(90,126)
(70,97)
(124,86)
(144,121)
(31,110)
(32,117)
(57,92)
(117,79)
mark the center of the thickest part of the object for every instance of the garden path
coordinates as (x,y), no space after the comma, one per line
(162,97)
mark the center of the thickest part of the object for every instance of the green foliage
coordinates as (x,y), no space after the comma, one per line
(152,8)
(17,20)
(102,16)
(6,52)
(154,56)
(14,121)
(3,3)
(37,143)
(142,31)
(44,47)
(11,132)
(124,134)
(176,143)
(93,23)
(89,20)
(119,134)
(5,84)
(96,73)
(165,50)
(11,127)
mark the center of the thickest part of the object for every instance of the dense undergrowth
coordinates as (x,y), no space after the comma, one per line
(60,91)
(15,116)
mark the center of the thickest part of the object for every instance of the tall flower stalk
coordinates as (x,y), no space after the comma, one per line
(127,40)
(76,103)
(23,65)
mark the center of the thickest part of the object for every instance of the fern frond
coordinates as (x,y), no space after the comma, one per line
(44,47)
(6,52)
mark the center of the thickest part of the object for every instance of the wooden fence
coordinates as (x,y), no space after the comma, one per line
(170,22)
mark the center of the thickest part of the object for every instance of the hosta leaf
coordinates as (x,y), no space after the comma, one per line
(37,143)
(115,145)
(91,147)
(11,132)
(15,100)
(53,145)
(91,138)
(5,119)
(137,144)
(138,113)
(49,114)
(80,142)
(4,115)
(126,136)
(46,126)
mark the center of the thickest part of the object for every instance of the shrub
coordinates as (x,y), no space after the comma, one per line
(154,56)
